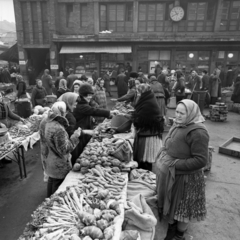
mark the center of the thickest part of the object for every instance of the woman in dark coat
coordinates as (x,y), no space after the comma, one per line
(47,82)
(83,114)
(148,127)
(39,94)
(121,83)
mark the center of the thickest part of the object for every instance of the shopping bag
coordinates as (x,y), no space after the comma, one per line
(122,150)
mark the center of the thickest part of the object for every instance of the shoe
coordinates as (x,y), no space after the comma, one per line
(172,228)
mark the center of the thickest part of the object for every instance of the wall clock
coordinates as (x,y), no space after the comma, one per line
(177,14)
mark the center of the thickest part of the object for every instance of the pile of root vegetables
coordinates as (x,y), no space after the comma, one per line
(84,212)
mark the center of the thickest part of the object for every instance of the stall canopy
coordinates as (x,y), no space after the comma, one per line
(66,49)
(11,54)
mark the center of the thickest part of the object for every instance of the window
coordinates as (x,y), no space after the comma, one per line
(152,18)
(230,16)
(35,22)
(25,20)
(116,17)
(200,17)
(84,15)
(45,27)
(69,15)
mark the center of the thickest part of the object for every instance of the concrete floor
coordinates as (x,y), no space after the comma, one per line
(19,198)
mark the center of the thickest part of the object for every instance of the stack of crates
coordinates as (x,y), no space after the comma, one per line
(218,112)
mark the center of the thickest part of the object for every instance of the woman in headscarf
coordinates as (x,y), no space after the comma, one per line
(62,87)
(180,178)
(158,91)
(39,94)
(70,100)
(131,96)
(56,146)
(148,126)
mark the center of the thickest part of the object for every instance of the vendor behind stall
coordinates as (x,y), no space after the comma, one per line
(83,114)
(39,94)
(7,117)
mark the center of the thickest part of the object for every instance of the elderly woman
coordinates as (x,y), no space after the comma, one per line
(56,146)
(70,100)
(180,178)
(148,126)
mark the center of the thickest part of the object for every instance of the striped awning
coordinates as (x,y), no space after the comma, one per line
(94,49)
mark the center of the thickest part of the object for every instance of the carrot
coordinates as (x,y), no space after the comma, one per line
(94,170)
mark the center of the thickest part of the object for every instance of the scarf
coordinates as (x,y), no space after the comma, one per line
(147,115)
(193,113)
(63,84)
(131,83)
(70,99)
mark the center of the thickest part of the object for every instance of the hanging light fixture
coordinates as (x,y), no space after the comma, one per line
(230,55)
(191,55)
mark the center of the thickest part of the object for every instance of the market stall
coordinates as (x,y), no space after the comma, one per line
(89,204)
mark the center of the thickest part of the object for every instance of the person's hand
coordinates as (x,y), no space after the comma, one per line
(114,112)
(23,120)
(78,132)
(114,100)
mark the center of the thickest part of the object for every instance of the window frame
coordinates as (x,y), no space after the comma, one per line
(118,23)
(68,14)
(206,25)
(163,25)
(229,19)
(83,22)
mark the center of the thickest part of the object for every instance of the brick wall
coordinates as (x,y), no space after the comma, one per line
(74,21)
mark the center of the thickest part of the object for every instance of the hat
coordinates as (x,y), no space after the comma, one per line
(133,75)
(86,89)
(83,77)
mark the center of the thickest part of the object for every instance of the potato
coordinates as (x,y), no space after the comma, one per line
(76,167)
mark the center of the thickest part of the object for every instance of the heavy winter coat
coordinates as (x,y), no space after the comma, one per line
(70,79)
(236,93)
(56,146)
(38,93)
(121,83)
(100,96)
(47,83)
(106,79)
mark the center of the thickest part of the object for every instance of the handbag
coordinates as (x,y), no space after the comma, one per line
(123,151)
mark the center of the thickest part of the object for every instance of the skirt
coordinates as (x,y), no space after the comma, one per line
(192,206)
(145,149)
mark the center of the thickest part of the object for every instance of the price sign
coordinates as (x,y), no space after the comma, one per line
(54,67)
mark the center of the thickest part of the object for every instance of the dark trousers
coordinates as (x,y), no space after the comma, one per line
(145,165)
(53,185)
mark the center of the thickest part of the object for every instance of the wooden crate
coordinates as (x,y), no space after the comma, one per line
(231,147)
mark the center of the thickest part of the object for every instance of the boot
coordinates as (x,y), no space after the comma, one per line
(172,228)
(178,235)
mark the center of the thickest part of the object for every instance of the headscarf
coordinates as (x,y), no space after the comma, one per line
(147,114)
(59,108)
(90,81)
(153,78)
(142,88)
(98,83)
(69,98)
(131,83)
(193,112)
(63,84)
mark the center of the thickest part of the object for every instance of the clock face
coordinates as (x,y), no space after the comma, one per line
(177,14)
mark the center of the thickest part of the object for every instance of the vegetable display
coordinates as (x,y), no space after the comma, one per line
(86,211)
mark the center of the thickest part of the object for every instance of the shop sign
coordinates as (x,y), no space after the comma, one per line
(22,62)
(54,67)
